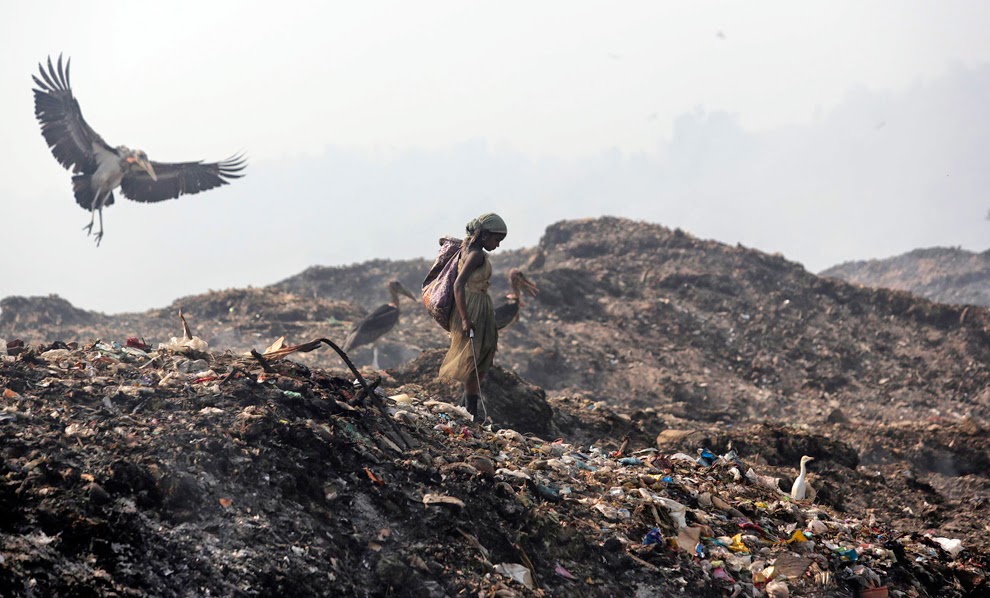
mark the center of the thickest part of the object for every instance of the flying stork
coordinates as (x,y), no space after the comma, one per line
(98,168)
(378,323)
(507,313)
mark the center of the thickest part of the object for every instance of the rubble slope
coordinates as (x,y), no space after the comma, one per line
(164,473)
(942,274)
(639,331)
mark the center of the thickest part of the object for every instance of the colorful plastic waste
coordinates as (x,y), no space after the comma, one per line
(653,537)
(797,536)
(737,544)
(137,343)
(721,574)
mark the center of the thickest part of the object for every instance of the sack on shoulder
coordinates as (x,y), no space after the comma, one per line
(438,287)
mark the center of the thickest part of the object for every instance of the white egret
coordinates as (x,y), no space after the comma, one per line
(800,488)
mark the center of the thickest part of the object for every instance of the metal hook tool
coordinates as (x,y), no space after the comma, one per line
(477,376)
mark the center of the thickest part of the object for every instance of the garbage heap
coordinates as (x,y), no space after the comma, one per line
(132,471)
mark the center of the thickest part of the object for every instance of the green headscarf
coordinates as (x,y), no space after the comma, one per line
(490,222)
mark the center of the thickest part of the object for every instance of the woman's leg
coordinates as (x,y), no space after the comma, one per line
(472,393)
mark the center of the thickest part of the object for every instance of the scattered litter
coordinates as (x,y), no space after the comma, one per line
(561,571)
(305,440)
(953,546)
(440,499)
(653,537)
(516,572)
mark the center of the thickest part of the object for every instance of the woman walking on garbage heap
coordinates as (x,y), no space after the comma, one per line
(470,357)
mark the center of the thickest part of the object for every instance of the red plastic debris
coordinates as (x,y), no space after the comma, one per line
(137,343)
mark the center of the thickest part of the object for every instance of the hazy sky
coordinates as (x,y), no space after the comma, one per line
(374,127)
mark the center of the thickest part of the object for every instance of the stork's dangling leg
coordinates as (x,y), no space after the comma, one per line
(99,235)
(374,357)
(92,214)
(96,206)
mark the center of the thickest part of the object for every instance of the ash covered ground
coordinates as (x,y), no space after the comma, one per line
(175,472)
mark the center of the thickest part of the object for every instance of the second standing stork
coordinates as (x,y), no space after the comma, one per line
(378,323)
(507,313)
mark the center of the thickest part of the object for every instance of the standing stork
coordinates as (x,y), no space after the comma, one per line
(98,168)
(378,323)
(507,313)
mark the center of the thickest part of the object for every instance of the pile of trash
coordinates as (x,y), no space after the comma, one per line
(944,274)
(633,313)
(175,471)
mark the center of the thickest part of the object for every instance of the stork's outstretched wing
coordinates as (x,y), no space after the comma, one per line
(72,141)
(180,178)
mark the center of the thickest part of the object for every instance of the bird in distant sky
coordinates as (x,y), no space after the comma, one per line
(98,168)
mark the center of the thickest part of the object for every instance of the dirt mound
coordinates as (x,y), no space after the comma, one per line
(237,320)
(644,316)
(40,314)
(639,332)
(363,284)
(641,315)
(128,472)
(507,398)
(943,274)
(633,314)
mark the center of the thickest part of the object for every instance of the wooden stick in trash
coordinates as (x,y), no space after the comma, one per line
(656,515)
(527,562)
(475,542)
(186,333)
(229,375)
(649,566)
(261,359)
(623,446)
(653,507)
(368,389)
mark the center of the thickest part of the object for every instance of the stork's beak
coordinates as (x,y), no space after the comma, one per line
(527,285)
(145,164)
(405,291)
